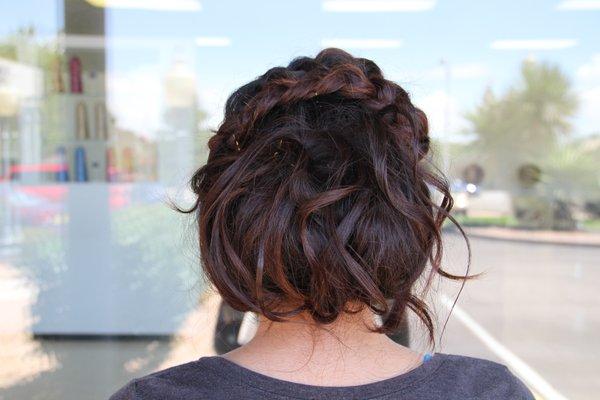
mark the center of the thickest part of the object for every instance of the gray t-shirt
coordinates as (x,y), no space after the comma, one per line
(443,376)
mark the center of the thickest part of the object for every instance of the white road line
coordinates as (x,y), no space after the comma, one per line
(524,371)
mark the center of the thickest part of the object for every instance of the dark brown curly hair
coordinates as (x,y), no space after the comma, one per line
(317,193)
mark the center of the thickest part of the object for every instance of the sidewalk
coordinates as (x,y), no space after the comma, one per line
(576,238)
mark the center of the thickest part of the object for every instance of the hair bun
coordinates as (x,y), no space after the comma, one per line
(315,194)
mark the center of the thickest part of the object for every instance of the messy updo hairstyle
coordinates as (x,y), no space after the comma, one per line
(317,192)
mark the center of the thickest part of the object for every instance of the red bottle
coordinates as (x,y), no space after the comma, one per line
(75,75)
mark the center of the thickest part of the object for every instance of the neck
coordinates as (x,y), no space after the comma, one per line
(343,352)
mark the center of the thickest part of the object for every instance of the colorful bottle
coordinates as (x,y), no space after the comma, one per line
(75,75)
(62,174)
(81,122)
(111,168)
(81,174)
(100,128)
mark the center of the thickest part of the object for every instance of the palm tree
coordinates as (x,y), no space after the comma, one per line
(524,125)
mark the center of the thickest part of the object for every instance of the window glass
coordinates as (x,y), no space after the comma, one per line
(105,110)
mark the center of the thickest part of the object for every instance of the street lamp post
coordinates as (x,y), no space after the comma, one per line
(446,134)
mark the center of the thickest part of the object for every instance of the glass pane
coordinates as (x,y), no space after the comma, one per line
(105,110)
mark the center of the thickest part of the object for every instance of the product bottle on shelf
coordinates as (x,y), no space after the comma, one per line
(81,120)
(80,165)
(111,167)
(75,75)
(100,128)
(62,175)
(128,163)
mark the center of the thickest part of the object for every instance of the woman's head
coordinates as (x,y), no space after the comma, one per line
(317,194)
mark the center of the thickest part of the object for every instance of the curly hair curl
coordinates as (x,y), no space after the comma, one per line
(317,193)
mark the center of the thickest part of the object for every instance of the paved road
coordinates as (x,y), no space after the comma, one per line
(540,301)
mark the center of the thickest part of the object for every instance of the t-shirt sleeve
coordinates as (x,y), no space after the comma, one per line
(474,378)
(519,390)
(496,381)
(127,392)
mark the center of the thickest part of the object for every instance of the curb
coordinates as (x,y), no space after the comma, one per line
(530,238)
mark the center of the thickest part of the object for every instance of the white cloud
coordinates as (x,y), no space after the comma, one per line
(459,71)
(533,44)
(155,5)
(443,113)
(212,102)
(577,5)
(589,117)
(206,41)
(588,89)
(377,5)
(134,99)
(75,41)
(361,43)
(591,69)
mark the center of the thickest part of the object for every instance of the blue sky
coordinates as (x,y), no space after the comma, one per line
(256,35)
